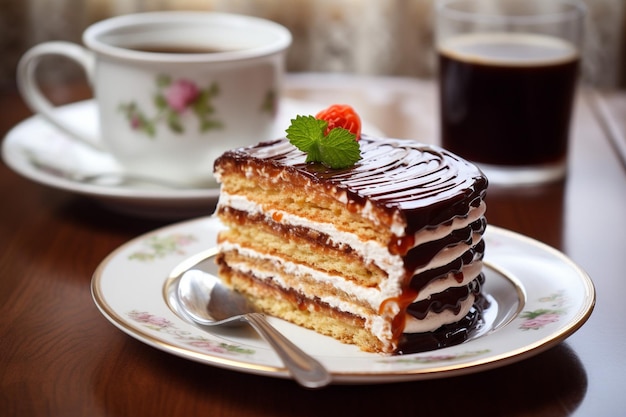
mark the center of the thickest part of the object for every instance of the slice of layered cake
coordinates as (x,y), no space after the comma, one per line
(384,252)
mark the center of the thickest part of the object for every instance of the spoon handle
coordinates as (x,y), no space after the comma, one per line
(307,371)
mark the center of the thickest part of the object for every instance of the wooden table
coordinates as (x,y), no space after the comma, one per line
(60,357)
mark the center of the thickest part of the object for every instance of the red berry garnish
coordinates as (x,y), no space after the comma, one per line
(341,115)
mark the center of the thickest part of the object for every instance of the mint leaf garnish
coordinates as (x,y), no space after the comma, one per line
(339,149)
(305,133)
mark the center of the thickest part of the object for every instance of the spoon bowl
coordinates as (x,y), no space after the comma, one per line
(203,299)
(208,302)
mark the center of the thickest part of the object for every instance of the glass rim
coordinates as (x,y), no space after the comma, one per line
(577,10)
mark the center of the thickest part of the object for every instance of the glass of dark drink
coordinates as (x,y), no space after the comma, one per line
(508,72)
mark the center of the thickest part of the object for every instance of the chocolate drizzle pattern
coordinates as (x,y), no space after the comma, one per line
(449,299)
(421,255)
(421,280)
(426,185)
(448,334)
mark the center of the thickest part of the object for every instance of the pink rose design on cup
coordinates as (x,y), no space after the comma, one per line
(181,95)
(135,121)
(177,102)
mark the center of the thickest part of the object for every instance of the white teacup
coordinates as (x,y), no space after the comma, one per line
(174,90)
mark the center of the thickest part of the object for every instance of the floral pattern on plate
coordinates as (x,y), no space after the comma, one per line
(540,317)
(163,325)
(158,246)
(439,358)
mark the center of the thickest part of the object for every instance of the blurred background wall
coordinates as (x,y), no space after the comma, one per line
(381,37)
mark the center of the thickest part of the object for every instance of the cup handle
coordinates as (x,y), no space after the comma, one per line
(32,94)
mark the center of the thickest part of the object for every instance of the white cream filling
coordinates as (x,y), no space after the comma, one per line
(428,235)
(470,272)
(449,254)
(433,321)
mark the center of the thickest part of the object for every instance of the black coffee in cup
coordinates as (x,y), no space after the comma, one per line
(507,99)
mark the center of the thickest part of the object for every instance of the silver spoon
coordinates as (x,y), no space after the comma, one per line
(207,302)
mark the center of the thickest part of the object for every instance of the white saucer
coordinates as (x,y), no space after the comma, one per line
(35,139)
(539,297)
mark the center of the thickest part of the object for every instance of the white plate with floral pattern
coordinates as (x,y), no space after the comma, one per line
(538,298)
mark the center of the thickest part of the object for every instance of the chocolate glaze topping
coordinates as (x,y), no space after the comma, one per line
(425,185)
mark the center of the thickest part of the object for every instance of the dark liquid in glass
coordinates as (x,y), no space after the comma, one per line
(507,100)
